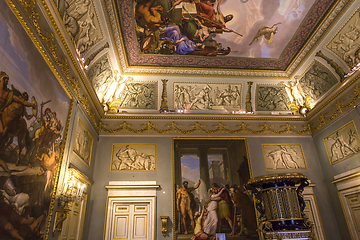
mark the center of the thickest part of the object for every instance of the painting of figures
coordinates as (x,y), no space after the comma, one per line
(200,96)
(133,157)
(343,143)
(34,113)
(83,143)
(209,191)
(217,27)
(284,157)
(345,43)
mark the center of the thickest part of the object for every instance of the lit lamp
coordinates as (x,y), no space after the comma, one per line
(69,195)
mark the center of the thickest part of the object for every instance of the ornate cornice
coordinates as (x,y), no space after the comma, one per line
(199,128)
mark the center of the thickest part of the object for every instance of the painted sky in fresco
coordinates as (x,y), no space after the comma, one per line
(27,69)
(249,17)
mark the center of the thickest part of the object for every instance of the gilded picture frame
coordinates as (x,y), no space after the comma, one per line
(83,143)
(48,103)
(342,143)
(134,157)
(281,157)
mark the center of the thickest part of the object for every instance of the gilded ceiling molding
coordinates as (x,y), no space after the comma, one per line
(337,109)
(51,46)
(197,127)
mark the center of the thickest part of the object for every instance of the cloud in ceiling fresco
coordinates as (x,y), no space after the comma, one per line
(207,34)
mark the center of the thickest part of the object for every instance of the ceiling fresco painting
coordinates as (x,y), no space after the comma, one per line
(258,34)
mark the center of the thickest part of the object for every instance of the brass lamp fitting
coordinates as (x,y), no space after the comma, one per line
(164,220)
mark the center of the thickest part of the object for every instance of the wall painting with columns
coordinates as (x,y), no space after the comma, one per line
(209,194)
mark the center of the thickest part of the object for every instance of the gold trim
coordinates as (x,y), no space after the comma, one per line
(326,147)
(318,213)
(312,113)
(269,178)
(284,169)
(345,178)
(73,173)
(345,216)
(150,127)
(132,186)
(131,144)
(92,142)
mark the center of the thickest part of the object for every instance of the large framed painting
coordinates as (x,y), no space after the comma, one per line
(343,143)
(35,112)
(133,157)
(83,142)
(284,157)
(209,177)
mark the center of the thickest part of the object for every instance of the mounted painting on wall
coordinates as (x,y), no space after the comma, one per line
(37,112)
(209,178)
(83,143)
(133,157)
(284,157)
(343,143)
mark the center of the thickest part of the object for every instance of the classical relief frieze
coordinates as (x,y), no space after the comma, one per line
(346,43)
(317,81)
(269,97)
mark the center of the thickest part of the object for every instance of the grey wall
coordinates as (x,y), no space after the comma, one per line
(331,170)
(95,215)
(102,176)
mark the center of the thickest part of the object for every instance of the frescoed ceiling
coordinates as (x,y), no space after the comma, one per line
(262,34)
(125,49)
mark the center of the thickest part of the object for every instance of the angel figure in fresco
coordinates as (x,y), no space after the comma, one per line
(267,32)
(295,93)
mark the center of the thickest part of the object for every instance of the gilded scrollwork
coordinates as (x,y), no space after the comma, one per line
(197,127)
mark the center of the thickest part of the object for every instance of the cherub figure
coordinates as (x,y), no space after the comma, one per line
(267,32)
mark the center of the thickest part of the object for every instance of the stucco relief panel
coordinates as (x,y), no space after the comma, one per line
(346,43)
(317,81)
(271,98)
(81,22)
(207,96)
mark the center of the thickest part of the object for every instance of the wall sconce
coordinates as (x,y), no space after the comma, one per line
(164,220)
(70,195)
